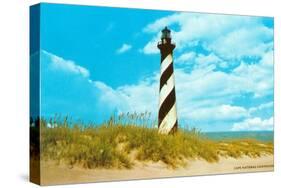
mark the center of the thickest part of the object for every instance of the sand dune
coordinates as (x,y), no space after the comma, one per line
(62,174)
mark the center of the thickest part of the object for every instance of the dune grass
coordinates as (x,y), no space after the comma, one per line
(118,144)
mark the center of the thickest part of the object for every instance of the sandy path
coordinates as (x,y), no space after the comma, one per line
(53,174)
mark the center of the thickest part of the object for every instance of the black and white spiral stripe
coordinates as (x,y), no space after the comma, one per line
(167,116)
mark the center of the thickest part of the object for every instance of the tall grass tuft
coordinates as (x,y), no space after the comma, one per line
(122,140)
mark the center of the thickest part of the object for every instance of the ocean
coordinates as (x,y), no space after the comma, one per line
(266,136)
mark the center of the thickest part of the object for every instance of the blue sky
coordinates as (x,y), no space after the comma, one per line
(96,61)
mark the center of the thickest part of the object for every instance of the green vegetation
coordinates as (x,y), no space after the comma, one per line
(118,143)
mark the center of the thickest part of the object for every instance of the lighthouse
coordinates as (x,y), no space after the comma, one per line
(167,115)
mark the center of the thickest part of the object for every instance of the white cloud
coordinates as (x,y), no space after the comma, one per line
(151,46)
(186,57)
(161,23)
(262,107)
(243,42)
(203,95)
(124,48)
(200,60)
(110,97)
(254,124)
(206,83)
(217,113)
(140,97)
(58,63)
(203,61)
(206,59)
(199,98)
(229,36)
(258,78)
